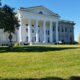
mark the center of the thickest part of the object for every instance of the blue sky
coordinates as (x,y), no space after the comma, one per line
(67,9)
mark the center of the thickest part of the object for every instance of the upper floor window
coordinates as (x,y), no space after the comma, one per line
(62,29)
(65,29)
(32,25)
(32,31)
(40,12)
(26,24)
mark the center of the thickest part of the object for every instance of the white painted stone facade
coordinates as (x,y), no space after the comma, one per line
(39,25)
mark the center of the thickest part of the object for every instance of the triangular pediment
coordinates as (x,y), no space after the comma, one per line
(40,10)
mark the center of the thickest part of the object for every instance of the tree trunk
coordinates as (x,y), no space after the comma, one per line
(10,40)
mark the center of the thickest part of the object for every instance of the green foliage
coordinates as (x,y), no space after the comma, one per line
(0,2)
(16,45)
(8,20)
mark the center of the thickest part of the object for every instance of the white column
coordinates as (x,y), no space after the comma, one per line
(29,31)
(19,33)
(37,33)
(44,31)
(57,32)
(51,32)
(19,29)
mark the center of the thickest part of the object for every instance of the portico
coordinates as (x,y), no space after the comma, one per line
(38,30)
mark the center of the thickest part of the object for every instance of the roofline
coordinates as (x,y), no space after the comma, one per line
(22,8)
(67,21)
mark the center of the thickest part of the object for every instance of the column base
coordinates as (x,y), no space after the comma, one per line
(20,43)
(44,41)
(30,43)
(36,42)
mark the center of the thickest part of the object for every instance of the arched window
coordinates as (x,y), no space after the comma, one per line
(40,12)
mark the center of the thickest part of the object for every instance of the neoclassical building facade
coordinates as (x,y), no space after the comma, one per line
(39,25)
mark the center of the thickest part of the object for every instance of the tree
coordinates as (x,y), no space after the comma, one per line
(0,2)
(8,21)
(1,15)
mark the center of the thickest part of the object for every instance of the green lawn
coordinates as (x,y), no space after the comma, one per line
(57,62)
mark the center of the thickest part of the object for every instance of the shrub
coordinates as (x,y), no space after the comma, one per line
(16,44)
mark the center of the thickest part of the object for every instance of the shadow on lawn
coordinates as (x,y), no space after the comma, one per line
(33,49)
(47,78)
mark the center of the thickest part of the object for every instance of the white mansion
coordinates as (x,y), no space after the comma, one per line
(39,25)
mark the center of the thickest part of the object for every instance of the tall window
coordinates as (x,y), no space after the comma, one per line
(26,30)
(53,28)
(38,26)
(32,30)
(48,32)
(65,29)
(71,40)
(58,29)
(39,39)
(62,29)
(70,29)
(35,38)
(48,40)
(27,39)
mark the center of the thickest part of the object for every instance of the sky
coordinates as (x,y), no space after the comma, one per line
(67,9)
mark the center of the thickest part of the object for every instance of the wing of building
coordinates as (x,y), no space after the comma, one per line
(39,25)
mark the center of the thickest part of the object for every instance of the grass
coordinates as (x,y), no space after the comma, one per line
(57,62)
